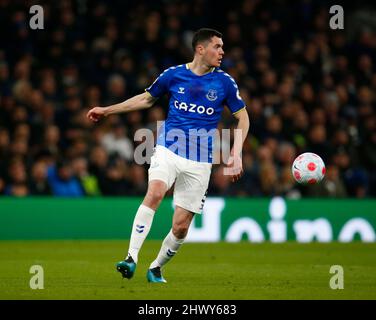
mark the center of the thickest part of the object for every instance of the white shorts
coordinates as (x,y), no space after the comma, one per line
(191,177)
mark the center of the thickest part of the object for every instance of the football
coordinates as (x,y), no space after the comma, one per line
(308,168)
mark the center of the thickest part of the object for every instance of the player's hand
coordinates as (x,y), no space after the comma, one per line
(234,167)
(96,113)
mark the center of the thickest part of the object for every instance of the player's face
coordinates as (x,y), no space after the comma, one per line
(213,53)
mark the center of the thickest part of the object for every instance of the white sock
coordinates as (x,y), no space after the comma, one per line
(170,246)
(141,227)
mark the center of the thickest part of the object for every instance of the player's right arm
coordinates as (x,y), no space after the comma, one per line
(142,101)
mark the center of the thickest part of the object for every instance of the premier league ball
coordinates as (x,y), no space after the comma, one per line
(308,168)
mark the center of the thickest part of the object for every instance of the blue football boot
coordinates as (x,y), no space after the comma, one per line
(155,275)
(126,267)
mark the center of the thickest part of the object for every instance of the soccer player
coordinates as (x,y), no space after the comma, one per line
(198,92)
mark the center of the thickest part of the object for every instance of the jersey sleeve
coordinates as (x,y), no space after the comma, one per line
(233,99)
(160,86)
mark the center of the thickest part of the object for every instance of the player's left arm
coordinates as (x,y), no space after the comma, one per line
(241,132)
(237,107)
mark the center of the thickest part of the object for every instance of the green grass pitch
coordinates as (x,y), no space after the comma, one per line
(224,271)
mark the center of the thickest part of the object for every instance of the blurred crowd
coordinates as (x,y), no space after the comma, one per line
(306,87)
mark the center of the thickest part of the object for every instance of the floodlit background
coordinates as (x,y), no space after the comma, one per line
(307,88)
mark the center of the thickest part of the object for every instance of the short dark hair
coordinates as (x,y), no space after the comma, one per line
(204,34)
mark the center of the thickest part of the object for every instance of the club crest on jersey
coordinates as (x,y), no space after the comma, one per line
(181,90)
(211,95)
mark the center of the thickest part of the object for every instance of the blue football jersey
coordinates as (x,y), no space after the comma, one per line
(195,107)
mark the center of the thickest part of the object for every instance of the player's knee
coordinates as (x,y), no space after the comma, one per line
(180,230)
(155,196)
